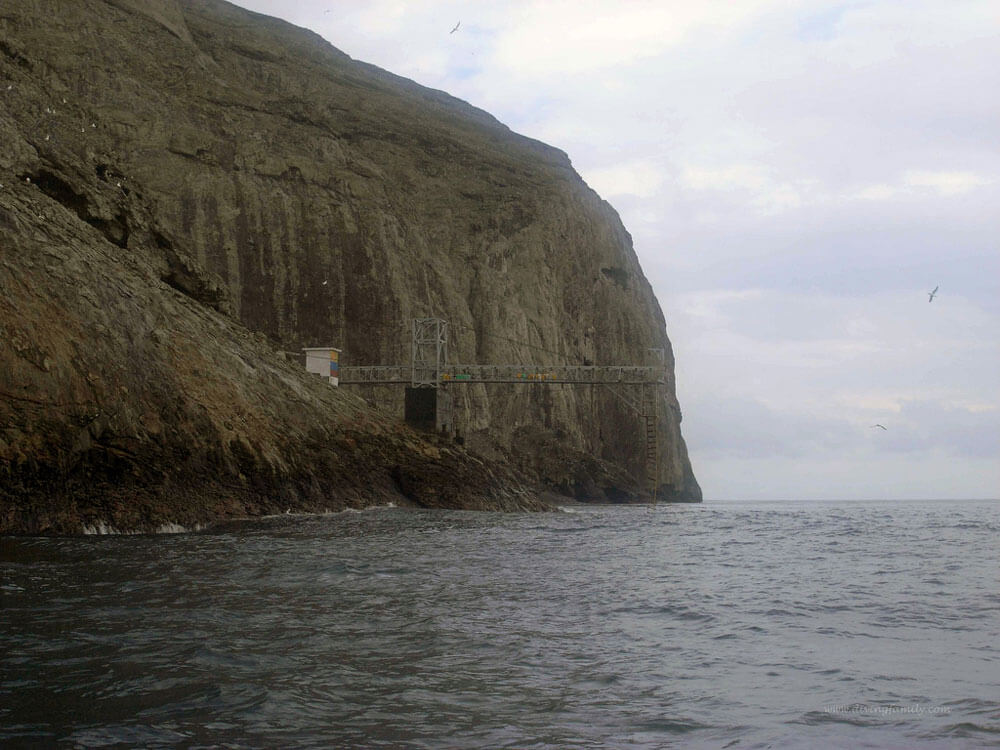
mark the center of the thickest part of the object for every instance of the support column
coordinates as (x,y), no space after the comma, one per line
(428,405)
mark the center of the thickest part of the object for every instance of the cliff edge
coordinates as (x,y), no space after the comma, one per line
(190,191)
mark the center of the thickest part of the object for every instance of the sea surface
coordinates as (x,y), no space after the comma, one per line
(725,625)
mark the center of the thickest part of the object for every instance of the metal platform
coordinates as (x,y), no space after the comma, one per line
(524,374)
(429,373)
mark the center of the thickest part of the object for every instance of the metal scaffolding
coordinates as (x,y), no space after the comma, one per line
(429,352)
(637,386)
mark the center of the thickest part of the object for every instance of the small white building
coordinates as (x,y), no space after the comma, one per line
(325,361)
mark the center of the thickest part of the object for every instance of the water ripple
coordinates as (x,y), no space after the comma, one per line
(795,625)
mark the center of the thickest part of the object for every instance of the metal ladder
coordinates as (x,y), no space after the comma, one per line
(650,417)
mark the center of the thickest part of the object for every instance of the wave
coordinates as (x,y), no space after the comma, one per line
(100,528)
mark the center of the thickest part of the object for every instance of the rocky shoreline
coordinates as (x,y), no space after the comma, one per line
(132,506)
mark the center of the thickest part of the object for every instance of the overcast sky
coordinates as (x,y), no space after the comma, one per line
(797,176)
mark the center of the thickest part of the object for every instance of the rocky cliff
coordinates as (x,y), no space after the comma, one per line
(190,191)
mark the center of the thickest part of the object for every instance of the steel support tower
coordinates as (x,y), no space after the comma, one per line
(428,352)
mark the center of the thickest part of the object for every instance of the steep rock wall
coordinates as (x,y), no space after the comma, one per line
(321,200)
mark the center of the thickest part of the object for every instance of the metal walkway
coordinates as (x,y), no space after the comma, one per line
(429,369)
(469,374)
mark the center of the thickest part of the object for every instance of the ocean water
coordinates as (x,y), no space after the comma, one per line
(740,625)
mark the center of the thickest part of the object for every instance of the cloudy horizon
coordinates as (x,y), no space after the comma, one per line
(797,177)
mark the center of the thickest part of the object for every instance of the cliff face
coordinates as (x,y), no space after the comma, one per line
(178,171)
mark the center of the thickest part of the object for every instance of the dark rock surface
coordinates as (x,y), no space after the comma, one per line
(189,190)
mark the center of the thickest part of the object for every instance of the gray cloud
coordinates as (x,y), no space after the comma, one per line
(927,425)
(746,429)
(740,428)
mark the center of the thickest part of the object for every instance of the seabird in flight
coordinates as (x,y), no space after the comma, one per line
(456,28)
(930,295)
(878,425)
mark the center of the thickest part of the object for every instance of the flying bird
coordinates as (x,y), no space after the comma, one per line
(930,295)
(456,28)
(882,426)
